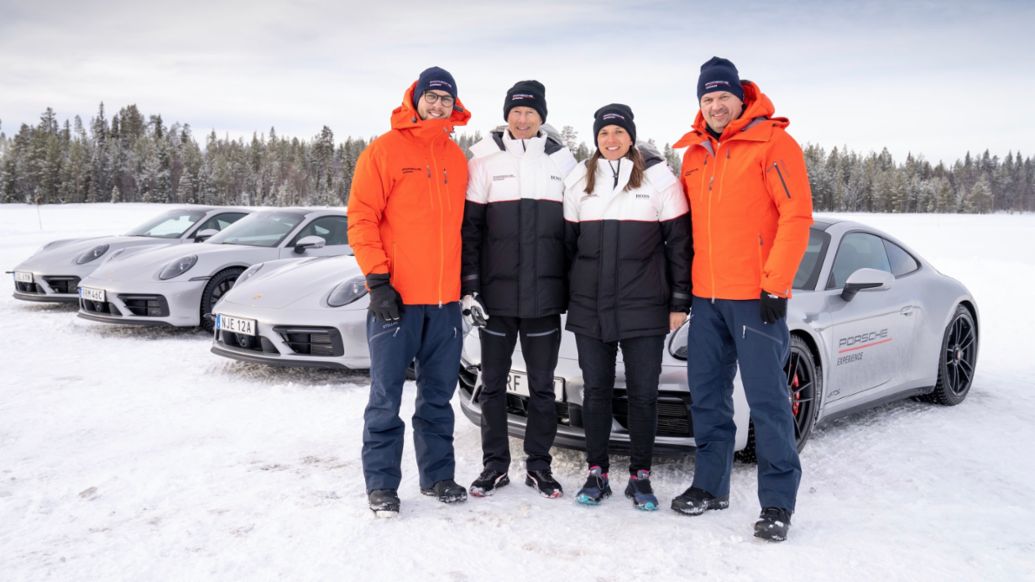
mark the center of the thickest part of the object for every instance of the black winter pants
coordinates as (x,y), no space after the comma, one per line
(642,361)
(540,342)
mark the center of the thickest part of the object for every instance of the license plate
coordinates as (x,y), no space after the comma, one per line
(517,383)
(91,294)
(235,324)
(23,277)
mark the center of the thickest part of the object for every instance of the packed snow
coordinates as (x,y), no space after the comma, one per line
(134,453)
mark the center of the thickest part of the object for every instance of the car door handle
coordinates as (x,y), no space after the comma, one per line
(907,310)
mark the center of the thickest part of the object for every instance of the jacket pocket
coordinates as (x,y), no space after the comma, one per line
(780,180)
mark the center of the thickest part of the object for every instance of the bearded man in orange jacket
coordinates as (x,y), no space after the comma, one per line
(751,205)
(406,206)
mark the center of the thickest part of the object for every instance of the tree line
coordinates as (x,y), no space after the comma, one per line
(133,158)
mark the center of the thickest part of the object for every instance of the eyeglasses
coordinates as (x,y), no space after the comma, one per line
(447,100)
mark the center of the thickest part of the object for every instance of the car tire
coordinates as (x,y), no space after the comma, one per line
(805,391)
(217,286)
(957,360)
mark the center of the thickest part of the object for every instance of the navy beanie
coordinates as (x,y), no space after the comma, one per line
(434,79)
(719,74)
(614,114)
(526,94)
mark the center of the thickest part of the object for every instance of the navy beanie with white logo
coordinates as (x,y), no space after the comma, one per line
(614,114)
(526,94)
(434,79)
(719,74)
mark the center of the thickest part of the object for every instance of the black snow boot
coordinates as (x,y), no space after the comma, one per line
(597,487)
(384,502)
(488,482)
(446,491)
(544,483)
(695,501)
(773,524)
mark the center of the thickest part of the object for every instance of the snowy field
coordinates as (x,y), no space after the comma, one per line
(135,454)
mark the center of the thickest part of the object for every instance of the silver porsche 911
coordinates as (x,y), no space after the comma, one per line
(870,321)
(53,273)
(308,313)
(179,285)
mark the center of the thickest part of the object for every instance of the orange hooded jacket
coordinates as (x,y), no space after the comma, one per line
(406,205)
(750,203)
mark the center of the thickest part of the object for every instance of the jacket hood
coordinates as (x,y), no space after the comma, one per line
(756,106)
(405,117)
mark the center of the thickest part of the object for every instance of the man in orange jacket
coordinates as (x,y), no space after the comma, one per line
(752,207)
(406,206)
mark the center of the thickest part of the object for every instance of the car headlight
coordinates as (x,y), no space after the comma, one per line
(347,292)
(248,273)
(178,267)
(91,255)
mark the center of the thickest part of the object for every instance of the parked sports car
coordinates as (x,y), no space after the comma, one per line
(870,320)
(179,285)
(53,273)
(308,313)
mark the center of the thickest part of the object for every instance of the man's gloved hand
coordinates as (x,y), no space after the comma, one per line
(474,310)
(384,300)
(773,307)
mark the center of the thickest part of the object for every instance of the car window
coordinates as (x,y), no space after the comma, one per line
(858,250)
(902,263)
(262,229)
(808,269)
(332,229)
(168,224)
(221,221)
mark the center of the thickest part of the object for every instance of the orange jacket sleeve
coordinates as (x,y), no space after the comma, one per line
(788,183)
(367,200)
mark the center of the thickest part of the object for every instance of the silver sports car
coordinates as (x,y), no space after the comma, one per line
(179,285)
(53,273)
(870,320)
(309,313)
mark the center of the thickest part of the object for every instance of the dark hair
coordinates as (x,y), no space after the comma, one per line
(635,179)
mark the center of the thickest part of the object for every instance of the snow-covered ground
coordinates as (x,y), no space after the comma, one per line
(136,454)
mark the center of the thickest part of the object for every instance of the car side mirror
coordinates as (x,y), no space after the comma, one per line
(866,279)
(309,242)
(205,235)
(678,340)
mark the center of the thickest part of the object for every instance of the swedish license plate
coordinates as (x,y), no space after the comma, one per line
(91,294)
(23,277)
(235,324)
(517,383)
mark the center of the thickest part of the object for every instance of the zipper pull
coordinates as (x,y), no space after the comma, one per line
(445,173)
(429,170)
(744,332)
(710,180)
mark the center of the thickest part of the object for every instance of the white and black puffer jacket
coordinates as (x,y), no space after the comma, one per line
(630,250)
(513,229)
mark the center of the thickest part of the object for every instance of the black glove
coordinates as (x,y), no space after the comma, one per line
(384,300)
(773,307)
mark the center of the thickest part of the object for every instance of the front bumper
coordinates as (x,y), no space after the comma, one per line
(176,304)
(48,288)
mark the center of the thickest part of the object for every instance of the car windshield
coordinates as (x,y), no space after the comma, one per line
(808,268)
(170,224)
(265,229)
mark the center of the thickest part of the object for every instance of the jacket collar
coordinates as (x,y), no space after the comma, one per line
(749,126)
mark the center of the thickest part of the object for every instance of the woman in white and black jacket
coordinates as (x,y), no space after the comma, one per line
(629,244)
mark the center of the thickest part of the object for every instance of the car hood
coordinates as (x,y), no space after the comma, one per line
(145,265)
(61,254)
(294,283)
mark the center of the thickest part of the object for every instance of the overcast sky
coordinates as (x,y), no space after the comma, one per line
(933,78)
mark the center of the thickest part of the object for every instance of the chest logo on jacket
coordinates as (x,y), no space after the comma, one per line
(501,177)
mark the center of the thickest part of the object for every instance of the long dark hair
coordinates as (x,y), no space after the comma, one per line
(635,179)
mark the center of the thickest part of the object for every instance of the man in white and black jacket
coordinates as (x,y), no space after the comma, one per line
(514,279)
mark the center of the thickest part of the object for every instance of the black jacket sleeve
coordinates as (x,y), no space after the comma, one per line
(679,254)
(470,258)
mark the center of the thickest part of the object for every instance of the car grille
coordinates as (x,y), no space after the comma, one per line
(101,307)
(66,285)
(246,342)
(27,288)
(673,413)
(146,305)
(312,341)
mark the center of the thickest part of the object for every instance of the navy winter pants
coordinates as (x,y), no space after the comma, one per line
(432,335)
(723,332)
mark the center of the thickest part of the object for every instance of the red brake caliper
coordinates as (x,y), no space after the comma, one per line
(795,395)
